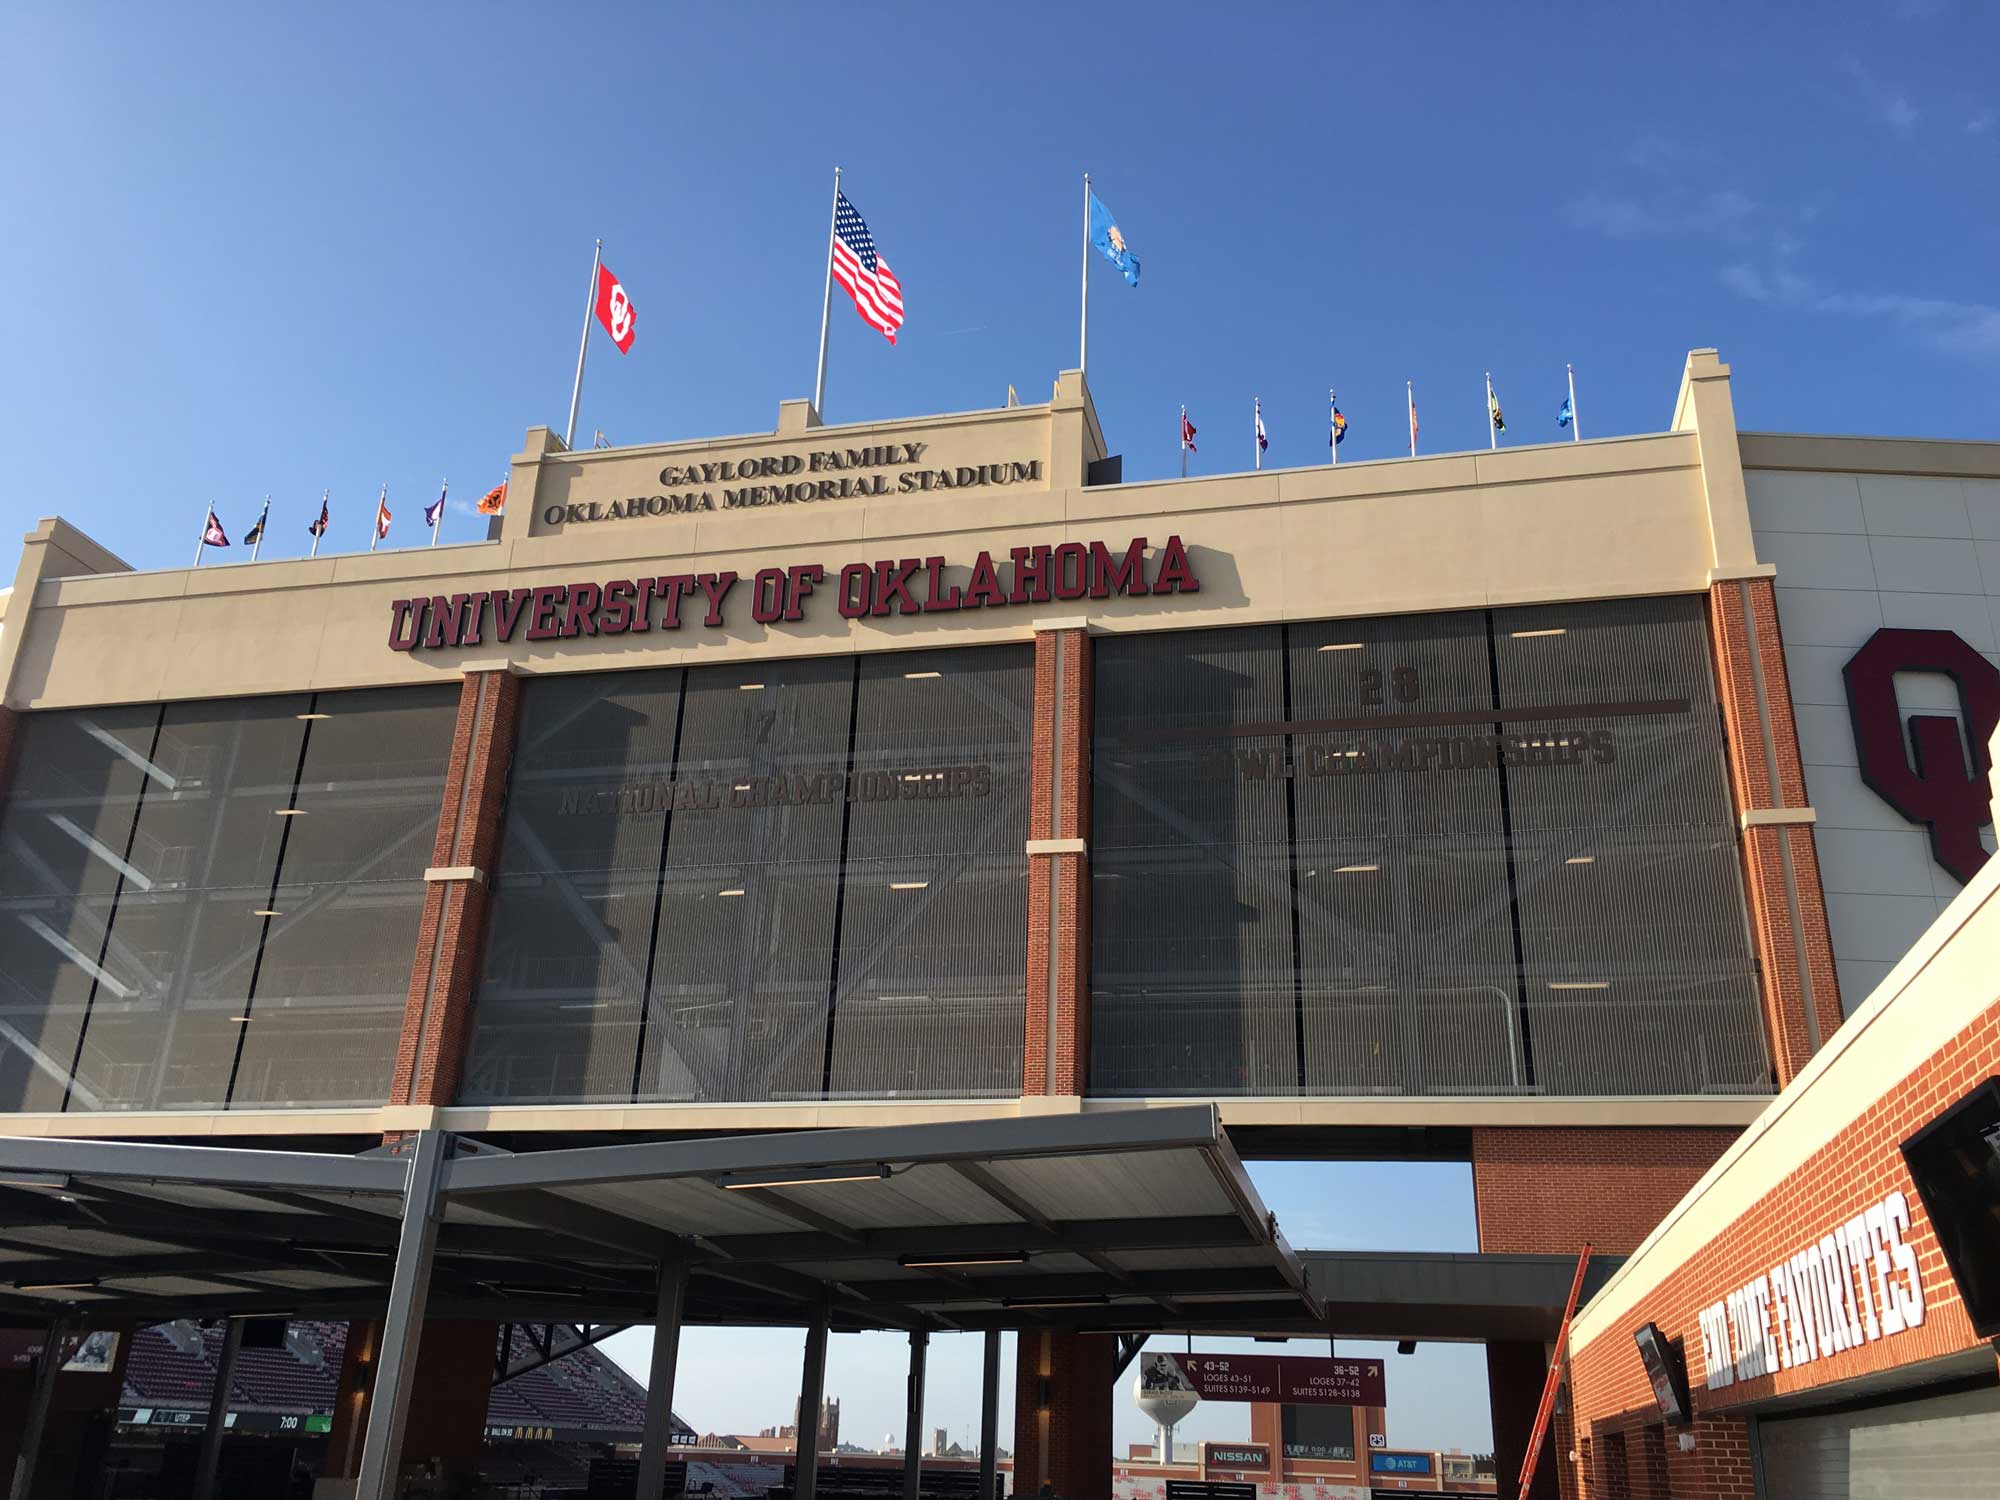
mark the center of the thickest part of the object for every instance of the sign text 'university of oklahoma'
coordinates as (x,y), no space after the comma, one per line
(1035,574)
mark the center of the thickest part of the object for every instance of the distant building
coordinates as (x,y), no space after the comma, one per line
(829,1427)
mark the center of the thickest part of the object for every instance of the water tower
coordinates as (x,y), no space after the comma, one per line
(1163,1393)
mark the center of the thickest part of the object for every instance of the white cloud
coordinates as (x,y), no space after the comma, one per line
(1964,328)
(1888,105)
(1981,122)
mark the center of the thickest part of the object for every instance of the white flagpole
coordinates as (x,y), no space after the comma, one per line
(1083,336)
(582,348)
(258,545)
(444,488)
(1184,440)
(1575,432)
(1332,432)
(323,494)
(202,545)
(1257,423)
(1410,390)
(826,299)
(1492,432)
(375,524)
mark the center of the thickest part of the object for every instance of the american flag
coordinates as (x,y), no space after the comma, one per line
(877,295)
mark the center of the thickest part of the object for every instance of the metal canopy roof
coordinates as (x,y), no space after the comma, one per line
(1130,1220)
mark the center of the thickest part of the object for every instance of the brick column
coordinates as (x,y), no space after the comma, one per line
(437,1016)
(1062,1412)
(1057,1053)
(1780,861)
(1545,1191)
(10,738)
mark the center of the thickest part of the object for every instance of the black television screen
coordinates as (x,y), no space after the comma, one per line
(1667,1373)
(1955,1161)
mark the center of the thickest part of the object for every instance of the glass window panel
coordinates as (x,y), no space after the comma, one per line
(1507,839)
(932,997)
(328,1010)
(571,926)
(66,849)
(210,849)
(742,958)
(703,845)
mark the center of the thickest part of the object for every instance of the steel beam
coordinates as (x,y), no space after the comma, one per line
(310,1172)
(913,1416)
(210,1458)
(409,1293)
(989,1418)
(1195,1127)
(812,1387)
(658,1432)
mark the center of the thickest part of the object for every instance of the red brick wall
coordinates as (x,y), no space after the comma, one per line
(1855,1170)
(437,1016)
(1762,782)
(1059,884)
(1546,1190)
(1075,1428)
(10,737)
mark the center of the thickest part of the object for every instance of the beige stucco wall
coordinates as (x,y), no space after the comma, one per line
(1623,516)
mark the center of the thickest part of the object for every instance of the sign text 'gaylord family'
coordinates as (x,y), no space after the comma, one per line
(794,479)
(1034,574)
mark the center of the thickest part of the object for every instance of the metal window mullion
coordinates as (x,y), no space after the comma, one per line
(840,897)
(659,891)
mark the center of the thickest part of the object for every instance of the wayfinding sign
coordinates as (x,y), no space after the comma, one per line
(1291,1380)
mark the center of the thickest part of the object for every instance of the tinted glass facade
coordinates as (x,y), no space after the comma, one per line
(213,904)
(774,881)
(1478,852)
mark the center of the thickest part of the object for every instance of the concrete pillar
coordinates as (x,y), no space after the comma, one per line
(657,1435)
(1056,1055)
(218,1410)
(36,1422)
(409,1293)
(913,1416)
(812,1389)
(989,1417)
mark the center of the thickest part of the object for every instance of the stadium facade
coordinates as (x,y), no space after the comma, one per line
(1545,808)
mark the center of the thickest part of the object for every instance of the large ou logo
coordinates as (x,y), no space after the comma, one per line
(1935,790)
(621,312)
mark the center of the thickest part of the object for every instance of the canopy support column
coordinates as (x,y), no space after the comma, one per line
(658,1433)
(913,1415)
(812,1386)
(989,1417)
(402,1328)
(218,1410)
(38,1409)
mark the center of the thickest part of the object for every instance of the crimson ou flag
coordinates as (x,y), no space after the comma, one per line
(614,309)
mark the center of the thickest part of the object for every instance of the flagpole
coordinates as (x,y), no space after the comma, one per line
(258,545)
(1410,390)
(323,494)
(582,347)
(202,545)
(1083,336)
(375,526)
(1492,432)
(1256,448)
(826,299)
(1332,431)
(1183,440)
(444,488)
(1575,433)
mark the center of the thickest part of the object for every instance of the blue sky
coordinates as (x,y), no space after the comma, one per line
(277,249)
(280,248)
